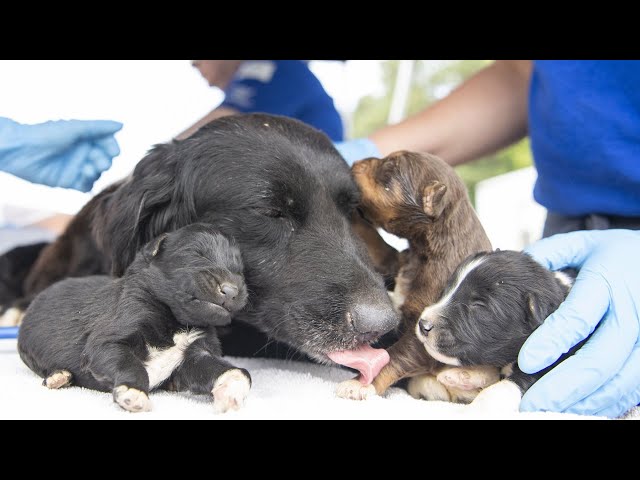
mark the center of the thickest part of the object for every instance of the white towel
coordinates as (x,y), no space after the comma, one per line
(281,390)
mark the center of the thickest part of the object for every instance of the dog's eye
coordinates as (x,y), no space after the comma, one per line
(476,305)
(270,212)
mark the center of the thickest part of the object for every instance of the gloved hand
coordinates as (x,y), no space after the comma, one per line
(603,377)
(63,153)
(354,150)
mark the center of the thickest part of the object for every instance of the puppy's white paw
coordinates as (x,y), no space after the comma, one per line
(131,399)
(230,390)
(427,387)
(502,397)
(12,317)
(59,379)
(470,378)
(354,390)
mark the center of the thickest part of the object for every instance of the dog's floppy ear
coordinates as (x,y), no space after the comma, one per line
(157,198)
(152,249)
(433,198)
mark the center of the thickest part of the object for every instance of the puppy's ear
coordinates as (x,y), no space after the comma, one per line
(539,308)
(434,199)
(152,249)
(157,198)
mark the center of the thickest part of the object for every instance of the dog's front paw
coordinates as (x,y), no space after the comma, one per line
(131,399)
(427,387)
(502,397)
(230,390)
(471,378)
(354,390)
(59,379)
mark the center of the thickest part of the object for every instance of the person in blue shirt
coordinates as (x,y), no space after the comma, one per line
(278,87)
(583,120)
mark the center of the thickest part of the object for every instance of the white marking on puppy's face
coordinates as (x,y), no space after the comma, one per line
(432,313)
(161,363)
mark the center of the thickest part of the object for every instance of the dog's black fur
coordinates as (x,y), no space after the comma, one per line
(103,330)
(493,310)
(73,254)
(14,268)
(284,193)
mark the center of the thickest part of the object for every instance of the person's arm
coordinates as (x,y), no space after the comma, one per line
(484,114)
(209,117)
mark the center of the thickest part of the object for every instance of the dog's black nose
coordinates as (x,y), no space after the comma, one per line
(425,327)
(373,320)
(229,291)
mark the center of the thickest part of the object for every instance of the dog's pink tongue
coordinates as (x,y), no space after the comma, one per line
(367,360)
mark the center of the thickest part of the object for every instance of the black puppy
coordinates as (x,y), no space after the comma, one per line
(490,306)
(152,328)
(14,267)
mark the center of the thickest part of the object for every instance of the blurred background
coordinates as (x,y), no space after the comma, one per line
(156,100)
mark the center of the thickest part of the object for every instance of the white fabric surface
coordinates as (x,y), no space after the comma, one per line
(281,390)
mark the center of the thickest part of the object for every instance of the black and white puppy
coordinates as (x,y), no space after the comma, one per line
(490,306)
(155,327)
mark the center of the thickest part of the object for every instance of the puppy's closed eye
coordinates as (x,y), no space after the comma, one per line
(269,212)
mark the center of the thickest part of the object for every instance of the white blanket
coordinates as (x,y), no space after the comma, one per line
(281,390)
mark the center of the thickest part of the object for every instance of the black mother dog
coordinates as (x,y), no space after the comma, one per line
(284,193)
(152,328)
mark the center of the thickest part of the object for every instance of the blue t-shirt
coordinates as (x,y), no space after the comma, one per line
(284,87)
(584,126)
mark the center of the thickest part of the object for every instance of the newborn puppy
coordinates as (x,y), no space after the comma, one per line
(491,304)
(418,197)
(152,328)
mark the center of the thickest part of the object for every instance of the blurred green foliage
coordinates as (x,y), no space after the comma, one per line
(431,80)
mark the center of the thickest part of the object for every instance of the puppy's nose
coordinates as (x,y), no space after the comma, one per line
(425,327)
(372,321)
(229,290)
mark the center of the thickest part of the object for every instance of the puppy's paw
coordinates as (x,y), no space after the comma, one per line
(59,379)
(354,390)
(471,378)
(12,317)
(131,399)
(427,387)
(502,397)
(230,390)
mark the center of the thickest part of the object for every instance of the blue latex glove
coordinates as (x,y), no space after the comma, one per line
(63,153)
(603,377)
(354,150)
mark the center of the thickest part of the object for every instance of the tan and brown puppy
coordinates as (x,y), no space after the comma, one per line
(418,197)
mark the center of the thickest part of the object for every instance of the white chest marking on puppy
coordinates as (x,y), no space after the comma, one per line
(162,362)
